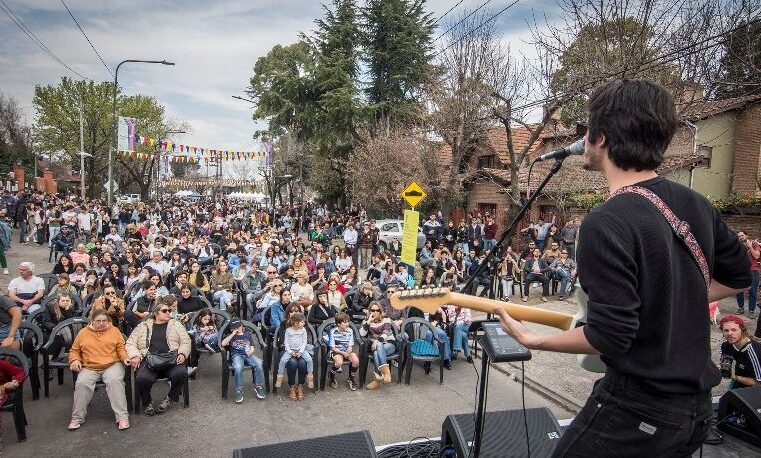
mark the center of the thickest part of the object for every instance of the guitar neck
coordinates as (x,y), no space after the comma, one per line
(550,318)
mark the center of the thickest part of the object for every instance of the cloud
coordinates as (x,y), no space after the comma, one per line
(214,46)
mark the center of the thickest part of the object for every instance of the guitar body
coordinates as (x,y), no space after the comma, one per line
(591,363)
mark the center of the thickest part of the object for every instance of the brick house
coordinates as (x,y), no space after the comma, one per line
(716,151)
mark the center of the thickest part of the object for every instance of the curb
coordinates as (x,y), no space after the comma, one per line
(548,393)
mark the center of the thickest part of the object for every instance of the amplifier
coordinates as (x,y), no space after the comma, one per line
(504,433)
(740,414)
(349,445)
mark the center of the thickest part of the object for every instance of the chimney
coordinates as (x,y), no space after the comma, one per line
(554,116)
(689,92)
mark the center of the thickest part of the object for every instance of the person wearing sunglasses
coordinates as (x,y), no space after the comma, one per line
(378,330)
(110,302)
(159,334)
(97,354)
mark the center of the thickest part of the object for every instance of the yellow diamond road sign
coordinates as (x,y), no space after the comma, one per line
(413,194)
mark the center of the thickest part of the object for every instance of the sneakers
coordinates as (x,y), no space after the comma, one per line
(469,359)
(279,381)
(6,272)
(333,383)
(447,364)
(560,298)
(164,406)
(544,299)
(259,392)
(150,409)
(740,311)
(752,314)
(191,371)
(352,385)
(238,395)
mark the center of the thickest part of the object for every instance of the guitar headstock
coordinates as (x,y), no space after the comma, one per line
(426,299)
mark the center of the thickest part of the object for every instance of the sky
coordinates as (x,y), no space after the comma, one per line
(213,44)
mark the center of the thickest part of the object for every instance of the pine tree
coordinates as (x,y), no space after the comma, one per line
(396,35)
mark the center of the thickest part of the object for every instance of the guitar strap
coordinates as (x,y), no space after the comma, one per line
(681,228)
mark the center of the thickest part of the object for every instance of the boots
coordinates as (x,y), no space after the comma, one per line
(386,372)
(310,380)
(292,393)
(300,392)
(376,383)
(279,381)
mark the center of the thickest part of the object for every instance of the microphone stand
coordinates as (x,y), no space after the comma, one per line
(516,219)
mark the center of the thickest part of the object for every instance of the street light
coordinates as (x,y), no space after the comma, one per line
(116,123)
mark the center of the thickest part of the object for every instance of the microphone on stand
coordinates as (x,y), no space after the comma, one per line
(574,149)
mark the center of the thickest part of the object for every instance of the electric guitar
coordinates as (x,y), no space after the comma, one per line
(431,299)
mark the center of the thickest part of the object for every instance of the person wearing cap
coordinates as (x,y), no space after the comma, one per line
(241,343)
(745,353)
(158,334)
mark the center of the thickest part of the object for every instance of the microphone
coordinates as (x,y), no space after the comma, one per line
(574,149)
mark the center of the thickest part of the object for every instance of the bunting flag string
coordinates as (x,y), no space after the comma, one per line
(188,183)
(177,150)
(181,158)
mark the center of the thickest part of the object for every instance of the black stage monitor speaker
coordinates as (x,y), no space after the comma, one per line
(504,433)
(740,414)
(349,445)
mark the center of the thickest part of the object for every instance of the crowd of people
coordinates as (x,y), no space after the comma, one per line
(150,276)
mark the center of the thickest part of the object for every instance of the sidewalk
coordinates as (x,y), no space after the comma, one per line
(558,376)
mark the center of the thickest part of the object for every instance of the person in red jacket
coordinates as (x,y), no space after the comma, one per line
(11,377)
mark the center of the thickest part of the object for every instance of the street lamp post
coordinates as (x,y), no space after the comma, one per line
(116,124)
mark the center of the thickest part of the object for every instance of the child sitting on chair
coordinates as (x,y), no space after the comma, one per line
(341,345)
(295,347)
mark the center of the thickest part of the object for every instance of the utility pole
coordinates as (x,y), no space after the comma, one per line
(81,152)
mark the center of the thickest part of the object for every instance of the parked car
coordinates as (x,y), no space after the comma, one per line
(129,198)
(390,228)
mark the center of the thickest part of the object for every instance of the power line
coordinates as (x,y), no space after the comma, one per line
(86,37)
(20,24)
(448,11)
(477,27)
(461,21)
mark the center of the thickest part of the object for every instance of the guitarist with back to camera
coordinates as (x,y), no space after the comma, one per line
(649,278)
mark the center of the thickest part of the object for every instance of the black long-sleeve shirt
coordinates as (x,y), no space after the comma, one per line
(648,305)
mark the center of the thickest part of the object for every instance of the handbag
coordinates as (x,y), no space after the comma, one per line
(159,361)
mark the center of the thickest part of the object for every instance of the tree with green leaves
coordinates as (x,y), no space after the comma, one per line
(616,44)
(397,41)
(740,67)
(15,138)
(56,130)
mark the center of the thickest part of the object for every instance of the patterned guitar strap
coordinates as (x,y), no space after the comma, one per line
(680,228)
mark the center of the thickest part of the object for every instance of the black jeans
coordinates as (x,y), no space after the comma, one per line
(530,278)
(145,379)
(622,418)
